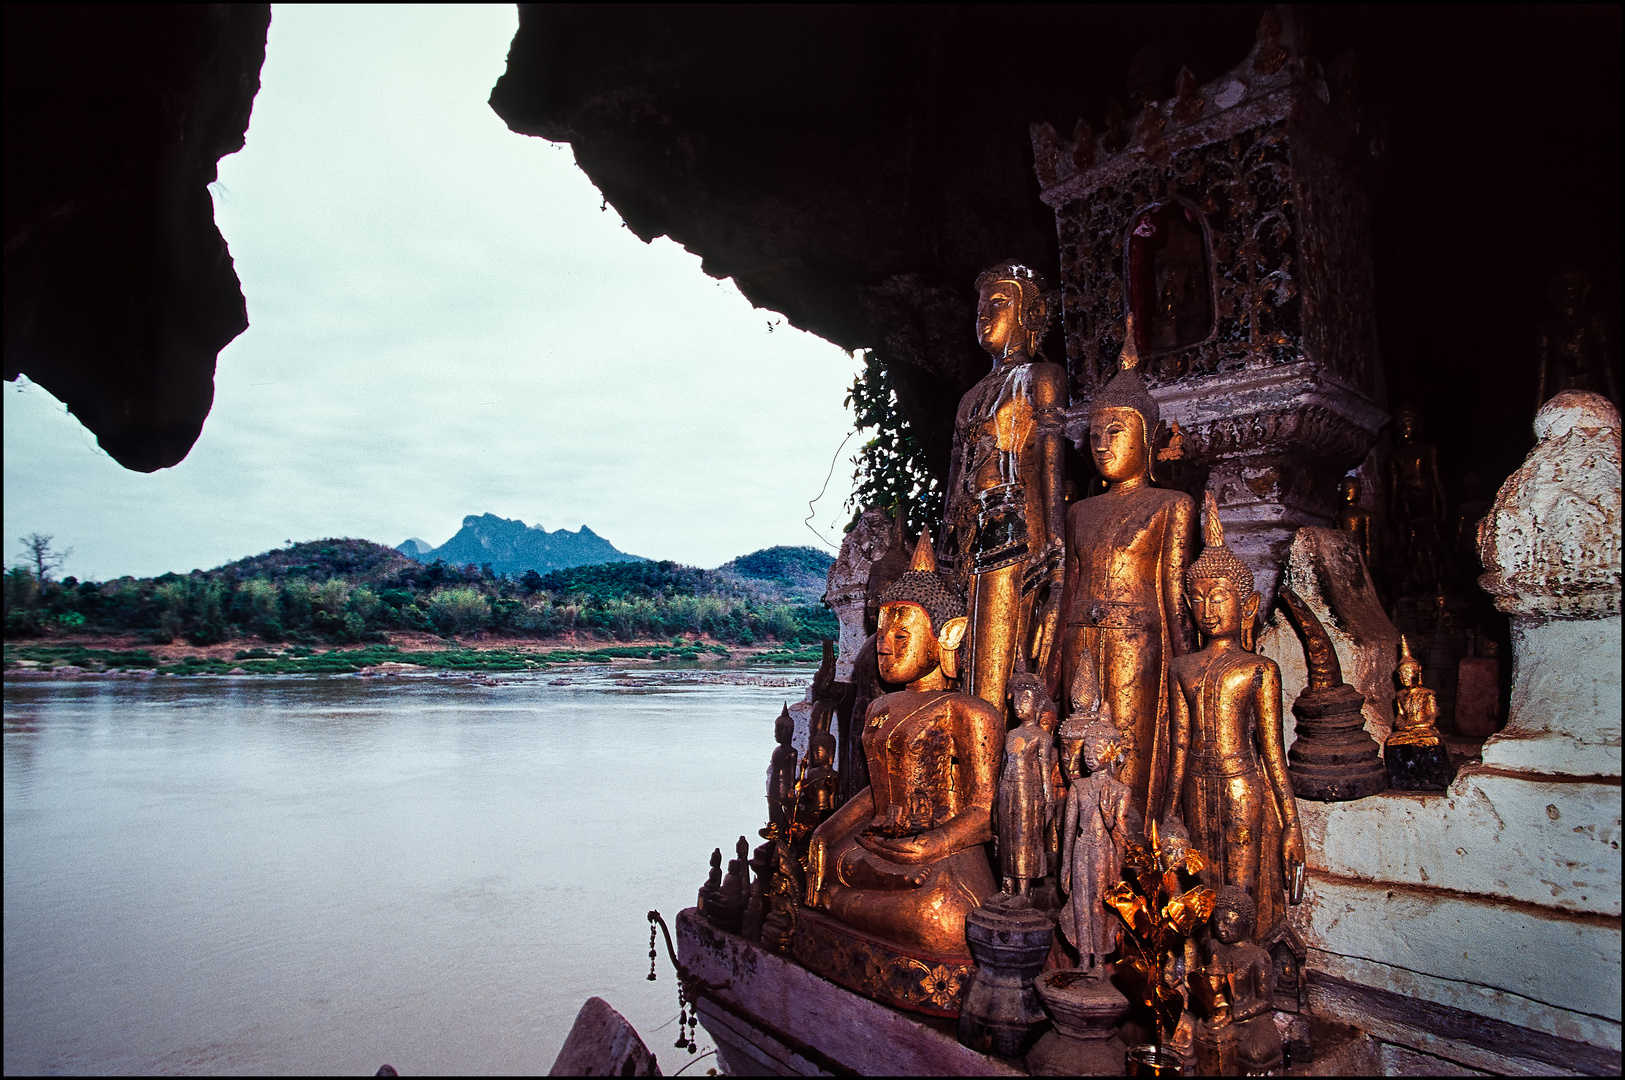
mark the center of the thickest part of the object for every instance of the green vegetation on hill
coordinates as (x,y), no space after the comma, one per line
(353,591)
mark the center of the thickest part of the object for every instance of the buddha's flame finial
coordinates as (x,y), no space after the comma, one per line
(1085,689)
(1405,656)
(1325,672)
(1212,527)
(925,559)
(1129,358)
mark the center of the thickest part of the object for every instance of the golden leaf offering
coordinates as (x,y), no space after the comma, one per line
(1131,908)
(1194,861)
(1189,910)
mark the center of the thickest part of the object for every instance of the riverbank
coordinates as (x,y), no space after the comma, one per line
(127,655)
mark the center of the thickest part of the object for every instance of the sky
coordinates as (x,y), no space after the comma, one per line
(445,320)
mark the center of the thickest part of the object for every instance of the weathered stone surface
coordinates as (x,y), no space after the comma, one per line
(1551,544)
(770,1016)
(1437,1037)
(1551,552)
(848,581)
(1564,715)
(1519,963)
(1500,836)
(602,1043)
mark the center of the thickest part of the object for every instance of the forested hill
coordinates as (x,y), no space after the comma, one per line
(512,547)
(346,590)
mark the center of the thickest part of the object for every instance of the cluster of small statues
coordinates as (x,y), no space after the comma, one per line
(1044,689)
(1055,695)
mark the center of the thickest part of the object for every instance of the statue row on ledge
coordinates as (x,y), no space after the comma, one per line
(952,744)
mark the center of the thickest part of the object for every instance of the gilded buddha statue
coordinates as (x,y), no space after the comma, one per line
(1228,777)
(1005,505)
(903,862)
(1126,553)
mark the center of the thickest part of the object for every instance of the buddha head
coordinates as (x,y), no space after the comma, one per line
(1103,745)
(1349,490)
(1233,914)
(1174,845)
(822,751)
(1219,587)
(1408,423)
(1012,310)
(1122,420)
(784,728)
(1030,699)
(1410,669)
(922,622)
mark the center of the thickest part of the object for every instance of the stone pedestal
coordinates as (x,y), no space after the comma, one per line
(1551,552)
(1086,1013)
(1010,941)
(1418,768)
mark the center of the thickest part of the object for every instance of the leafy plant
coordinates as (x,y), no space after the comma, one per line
(892,468)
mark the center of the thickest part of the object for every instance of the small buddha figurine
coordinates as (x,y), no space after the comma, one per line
(1354,518)
(1415,755)
(903,860)
(1026,806)
(761,866)
(818,783)
(711,891)
(1126,553)
(735,891)
(1228,777)
(1575,350)
(1100,823)
(1233,994)
(1174,844)
(1004,508)
(781,774)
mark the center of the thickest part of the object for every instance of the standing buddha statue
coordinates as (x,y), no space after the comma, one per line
(1027,786)
(1354,518)
(1004,508)
(1126,553)
(1416,500)
(1228,776)
(1575,352)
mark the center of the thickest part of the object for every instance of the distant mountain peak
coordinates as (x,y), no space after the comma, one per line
(512,547)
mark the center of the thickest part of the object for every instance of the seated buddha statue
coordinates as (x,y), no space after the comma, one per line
(903,861)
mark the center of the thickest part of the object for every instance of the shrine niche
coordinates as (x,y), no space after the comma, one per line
(1231,222)
(1170,288)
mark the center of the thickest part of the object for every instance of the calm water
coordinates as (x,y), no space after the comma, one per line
(319,875)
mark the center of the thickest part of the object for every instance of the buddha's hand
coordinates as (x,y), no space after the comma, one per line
(926,847)
(1292,854)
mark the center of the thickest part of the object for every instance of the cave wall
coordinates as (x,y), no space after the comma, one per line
(119,289)
(855,167)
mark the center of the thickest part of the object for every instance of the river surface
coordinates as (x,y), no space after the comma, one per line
(317,875)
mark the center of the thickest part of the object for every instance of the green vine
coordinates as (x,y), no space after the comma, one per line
(889,469)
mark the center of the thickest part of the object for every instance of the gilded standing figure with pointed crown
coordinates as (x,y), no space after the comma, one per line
(1228,778)
(1126,553)
(1004,509)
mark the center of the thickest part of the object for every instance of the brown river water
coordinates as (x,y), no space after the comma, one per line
(317,875)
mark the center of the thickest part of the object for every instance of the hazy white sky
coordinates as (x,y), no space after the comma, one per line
(444,322)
